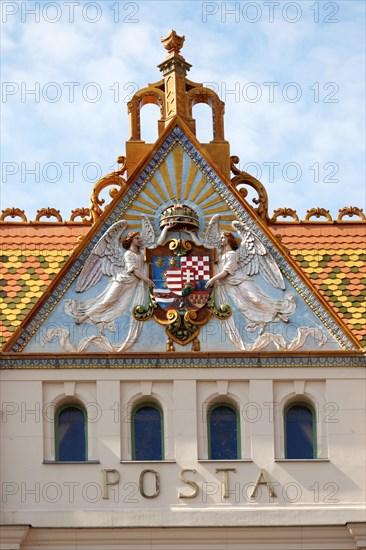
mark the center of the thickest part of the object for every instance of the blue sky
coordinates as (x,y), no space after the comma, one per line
(291,75)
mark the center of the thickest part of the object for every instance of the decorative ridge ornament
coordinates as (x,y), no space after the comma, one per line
(243,178)
(48,213)
(285,213)
(173,43)
(83,213)
(351,211)
(113,178)
(318,213)
(13,213)
(86,219)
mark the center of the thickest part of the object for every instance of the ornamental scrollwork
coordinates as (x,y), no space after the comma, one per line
(13,213)
(113,178)
(318,213)
(48,213)
(243,178)
(83,213)
(144,313)
(284,213)
(351,211)
(223,311)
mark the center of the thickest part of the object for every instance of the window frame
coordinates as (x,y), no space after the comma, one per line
(237,421)
(310,408)
(59,410)
(158,408)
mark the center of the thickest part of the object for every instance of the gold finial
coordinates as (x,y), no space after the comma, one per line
(173,43)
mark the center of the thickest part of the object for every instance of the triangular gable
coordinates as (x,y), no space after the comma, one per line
(179,169)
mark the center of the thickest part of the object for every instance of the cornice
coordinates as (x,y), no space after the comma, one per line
(241,360)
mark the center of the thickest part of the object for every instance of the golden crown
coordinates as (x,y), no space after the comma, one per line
(179,216)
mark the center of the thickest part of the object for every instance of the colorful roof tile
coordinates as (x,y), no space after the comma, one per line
(31,256)
(333,256)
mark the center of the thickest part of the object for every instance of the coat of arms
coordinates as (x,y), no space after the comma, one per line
(180,270)
(180,281)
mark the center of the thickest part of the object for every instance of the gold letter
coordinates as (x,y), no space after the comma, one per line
(106,482)
(188,482)
(225,480)
(157,483)
(266,481)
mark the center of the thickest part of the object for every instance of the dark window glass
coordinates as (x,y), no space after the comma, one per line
(147,434)
(223,433)
(299,432)
(71,434)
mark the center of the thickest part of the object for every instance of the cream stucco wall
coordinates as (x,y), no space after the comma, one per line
(327,491)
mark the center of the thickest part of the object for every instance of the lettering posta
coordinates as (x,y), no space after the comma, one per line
(226,484)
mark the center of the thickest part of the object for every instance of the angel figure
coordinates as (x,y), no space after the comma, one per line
(238,263)
(128,281)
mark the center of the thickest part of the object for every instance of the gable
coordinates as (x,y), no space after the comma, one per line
(179,171)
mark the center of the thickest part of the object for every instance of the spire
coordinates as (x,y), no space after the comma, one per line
(175,69)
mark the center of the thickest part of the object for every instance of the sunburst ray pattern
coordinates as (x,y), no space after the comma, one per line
(178,178)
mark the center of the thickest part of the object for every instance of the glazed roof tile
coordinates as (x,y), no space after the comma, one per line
(331,255)
(31,257)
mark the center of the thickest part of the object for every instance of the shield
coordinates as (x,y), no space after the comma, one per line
(180,281)
(180,301)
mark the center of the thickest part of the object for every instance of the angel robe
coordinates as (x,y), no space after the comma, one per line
(251,301)
(121,290)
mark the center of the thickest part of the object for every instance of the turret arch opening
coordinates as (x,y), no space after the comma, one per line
(202,113)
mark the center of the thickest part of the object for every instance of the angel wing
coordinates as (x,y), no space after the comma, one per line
(147,234)
(106,258)
(253,257)
(212,237)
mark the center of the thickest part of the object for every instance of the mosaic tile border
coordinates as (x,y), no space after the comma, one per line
(84,362)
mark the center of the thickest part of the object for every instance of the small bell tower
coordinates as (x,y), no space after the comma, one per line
(176,96)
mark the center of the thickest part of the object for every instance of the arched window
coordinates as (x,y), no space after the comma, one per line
(300,436)
(223,433)
(71,433)
(147,433)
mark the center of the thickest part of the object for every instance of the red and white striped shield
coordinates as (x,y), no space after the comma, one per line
(192,271)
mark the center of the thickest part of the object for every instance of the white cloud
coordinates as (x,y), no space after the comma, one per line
(121,57)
